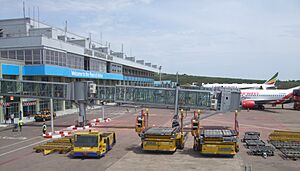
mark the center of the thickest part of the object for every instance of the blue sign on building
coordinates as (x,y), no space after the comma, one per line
(67,72)
(10,69)
(49,70)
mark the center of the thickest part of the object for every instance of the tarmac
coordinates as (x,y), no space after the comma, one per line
(16,151)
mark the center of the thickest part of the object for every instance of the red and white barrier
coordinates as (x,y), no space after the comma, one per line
(100,120)
(80,128)
(107,120)
(57,134)
(69,130)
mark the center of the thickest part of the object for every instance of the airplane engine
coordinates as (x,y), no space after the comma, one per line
(248,104)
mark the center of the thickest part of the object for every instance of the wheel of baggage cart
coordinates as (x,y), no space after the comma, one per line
(114,138)
(180,146)
(195,147)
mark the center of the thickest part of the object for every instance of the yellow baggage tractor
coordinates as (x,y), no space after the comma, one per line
(167,139)
(92,143)
(162,139)
(217,142)
(214,140)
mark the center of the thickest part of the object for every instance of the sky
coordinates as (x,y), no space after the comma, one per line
(250,39)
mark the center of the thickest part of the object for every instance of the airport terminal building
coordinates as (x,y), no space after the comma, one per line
(31,50)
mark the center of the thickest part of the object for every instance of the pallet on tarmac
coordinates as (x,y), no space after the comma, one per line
(285,136)
(62,145)
(48,149)
(285,144)
(63,140)
(261,150)
(250,143)
(292,153)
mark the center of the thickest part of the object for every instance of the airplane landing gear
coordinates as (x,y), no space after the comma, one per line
(261,107)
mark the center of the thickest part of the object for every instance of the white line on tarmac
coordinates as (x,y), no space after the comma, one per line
(31,144)
(22,147)
(19,142)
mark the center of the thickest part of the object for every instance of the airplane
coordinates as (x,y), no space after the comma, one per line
(268,84)
(255,99)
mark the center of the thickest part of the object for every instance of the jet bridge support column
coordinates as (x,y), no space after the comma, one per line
(176,101)
(2,114)
(82,114)
(52,112)
(82,94)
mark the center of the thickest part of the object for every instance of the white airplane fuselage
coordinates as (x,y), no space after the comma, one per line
(251,97)
(240,86)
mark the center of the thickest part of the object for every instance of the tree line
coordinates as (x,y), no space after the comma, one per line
(185,79)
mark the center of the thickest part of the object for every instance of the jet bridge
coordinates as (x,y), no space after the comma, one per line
(178,97)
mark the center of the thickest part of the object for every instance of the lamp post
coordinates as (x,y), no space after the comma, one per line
(160,74)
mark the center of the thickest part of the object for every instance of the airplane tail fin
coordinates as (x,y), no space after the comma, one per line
(273,80)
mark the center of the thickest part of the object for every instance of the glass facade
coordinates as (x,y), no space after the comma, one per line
(20,55)
(13,108)
(70,60)
(75,61)
(97,65)
(29,110)
(115,68)
(136,72)
(57,105)
(28,56)
(55,58)
(4,54)
(68,104)
(45,104)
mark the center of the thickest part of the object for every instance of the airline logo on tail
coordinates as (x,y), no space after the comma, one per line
(273,80)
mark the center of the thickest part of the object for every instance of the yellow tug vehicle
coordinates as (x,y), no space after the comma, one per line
(44,115)
(162,139)
(214,140)
(92,143)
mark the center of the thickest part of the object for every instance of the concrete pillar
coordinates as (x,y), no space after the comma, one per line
(63,103)
(1,100)
(21,109)
(1,110)
(74,106)
(37,106)
(20,77)
(63,108)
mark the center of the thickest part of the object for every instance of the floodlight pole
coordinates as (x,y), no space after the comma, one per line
(51,111)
